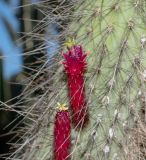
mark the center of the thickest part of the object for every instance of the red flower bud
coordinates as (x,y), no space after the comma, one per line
(62,135)
(75,66)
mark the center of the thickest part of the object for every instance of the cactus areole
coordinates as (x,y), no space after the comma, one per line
(75,67)
(62,134)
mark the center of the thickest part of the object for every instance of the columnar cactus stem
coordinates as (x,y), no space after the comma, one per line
(75,66)
(62,134)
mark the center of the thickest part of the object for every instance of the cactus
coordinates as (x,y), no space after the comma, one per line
(114,34)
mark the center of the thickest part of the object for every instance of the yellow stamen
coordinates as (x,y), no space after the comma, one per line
(70,42)
(62,107)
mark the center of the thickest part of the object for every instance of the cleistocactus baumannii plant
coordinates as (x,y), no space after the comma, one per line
(75,66)
(114,32)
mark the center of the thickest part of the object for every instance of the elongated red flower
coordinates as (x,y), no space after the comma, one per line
(75,66)
(62,134)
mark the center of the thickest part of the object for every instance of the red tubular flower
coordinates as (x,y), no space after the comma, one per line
(62,134)
(75,66)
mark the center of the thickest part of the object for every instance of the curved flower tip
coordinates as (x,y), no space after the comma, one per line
(70,43)
(62,107)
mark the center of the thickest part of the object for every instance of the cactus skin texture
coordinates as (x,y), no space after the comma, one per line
(115,33)
(75,66)
(62,132)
